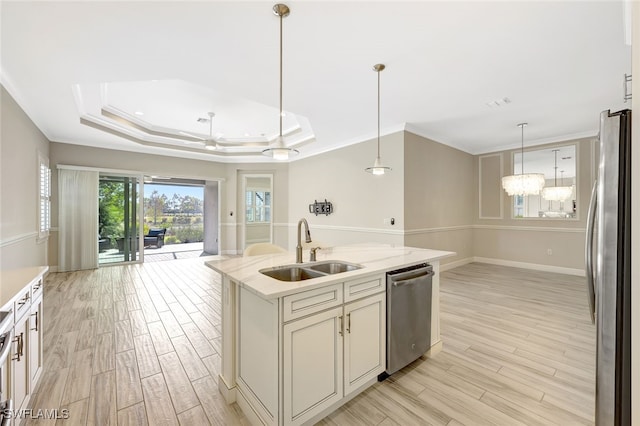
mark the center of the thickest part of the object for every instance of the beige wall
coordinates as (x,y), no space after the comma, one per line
(361,201)
(20,143)
(529,240)
(225,173)
(432,193)
(438,197)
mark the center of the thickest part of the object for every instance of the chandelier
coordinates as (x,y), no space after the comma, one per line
(557,193)
(523,184)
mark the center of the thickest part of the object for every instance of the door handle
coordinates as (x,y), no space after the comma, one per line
(349,322)
(588,251)
(341,326)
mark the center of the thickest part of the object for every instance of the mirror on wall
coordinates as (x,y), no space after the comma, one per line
(558,198)
(258,202)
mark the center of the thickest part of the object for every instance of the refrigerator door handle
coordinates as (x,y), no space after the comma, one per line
(588,251)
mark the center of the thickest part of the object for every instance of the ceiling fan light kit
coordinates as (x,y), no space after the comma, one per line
(378,168)
(523,184)
(279,151)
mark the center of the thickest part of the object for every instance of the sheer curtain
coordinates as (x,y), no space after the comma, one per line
(77,220)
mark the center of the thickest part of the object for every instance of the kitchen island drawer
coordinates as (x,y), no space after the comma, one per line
(357,289)
(311,301)
(22,304)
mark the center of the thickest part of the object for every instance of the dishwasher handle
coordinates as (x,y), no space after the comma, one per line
(410,272)
(412,280)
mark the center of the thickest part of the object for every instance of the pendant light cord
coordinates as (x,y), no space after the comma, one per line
(378,114)
(281,17)
(555,168)
(522,149)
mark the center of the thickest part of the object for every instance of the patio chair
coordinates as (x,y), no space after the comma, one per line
(155,237)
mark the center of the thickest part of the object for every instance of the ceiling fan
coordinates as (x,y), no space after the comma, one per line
(210,143)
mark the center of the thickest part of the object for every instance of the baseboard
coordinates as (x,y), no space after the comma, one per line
(247,410)
(53,268)
(434,350)
(229,394)
(230,252)
(533,266)
(455,264)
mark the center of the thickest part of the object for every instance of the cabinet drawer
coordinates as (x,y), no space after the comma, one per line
(312,301)
(36,289)
(22,304)
(362,287)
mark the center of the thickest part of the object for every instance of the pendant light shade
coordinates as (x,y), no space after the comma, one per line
(279,151)
(557,193)
(523,184)
(378,168)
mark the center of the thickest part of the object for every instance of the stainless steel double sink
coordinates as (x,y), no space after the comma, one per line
(306,271)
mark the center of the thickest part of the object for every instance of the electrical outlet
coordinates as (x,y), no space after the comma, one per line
(549,252)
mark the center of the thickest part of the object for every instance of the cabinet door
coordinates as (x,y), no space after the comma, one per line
(35,342)
(312,362)
(20,364)
(365,331)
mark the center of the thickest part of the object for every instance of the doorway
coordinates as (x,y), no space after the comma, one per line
(258,202)
(118,219)
(180,218)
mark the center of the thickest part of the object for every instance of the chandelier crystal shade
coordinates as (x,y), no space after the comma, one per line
(557,193)
(378,168)
(279,151)
(523,184)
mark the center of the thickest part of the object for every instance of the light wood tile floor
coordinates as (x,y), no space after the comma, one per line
(137,345)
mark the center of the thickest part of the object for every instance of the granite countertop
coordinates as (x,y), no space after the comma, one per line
(373,258)
(12,281)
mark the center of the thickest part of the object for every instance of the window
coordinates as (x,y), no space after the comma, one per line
(44,198)
(258,206)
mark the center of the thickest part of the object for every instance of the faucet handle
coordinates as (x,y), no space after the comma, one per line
(312,253)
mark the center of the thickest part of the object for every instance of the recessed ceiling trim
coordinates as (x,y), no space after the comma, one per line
(127,120)
(243,151)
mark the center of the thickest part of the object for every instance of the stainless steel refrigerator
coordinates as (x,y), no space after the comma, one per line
(608,264)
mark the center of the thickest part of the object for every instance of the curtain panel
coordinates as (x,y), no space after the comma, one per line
(77,220)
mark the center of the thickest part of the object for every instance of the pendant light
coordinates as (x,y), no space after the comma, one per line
(557,193)
(529,184)
(378,168)
(279,151)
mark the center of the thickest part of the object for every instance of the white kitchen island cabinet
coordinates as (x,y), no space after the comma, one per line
(293,352)
(21,299)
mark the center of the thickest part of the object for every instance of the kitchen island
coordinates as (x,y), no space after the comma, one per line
(292,352)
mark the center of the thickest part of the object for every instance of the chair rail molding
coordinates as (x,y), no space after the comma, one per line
(18,238)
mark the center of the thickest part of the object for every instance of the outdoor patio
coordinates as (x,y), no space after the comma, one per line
(154,254)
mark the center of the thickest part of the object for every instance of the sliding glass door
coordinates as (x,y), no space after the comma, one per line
(119,219)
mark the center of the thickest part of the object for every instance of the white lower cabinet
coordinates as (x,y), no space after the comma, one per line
(364,341)
(35,341)
(328,355)
(312,365)
(20,363)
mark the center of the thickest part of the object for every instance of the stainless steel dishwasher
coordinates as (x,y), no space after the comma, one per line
(408,315)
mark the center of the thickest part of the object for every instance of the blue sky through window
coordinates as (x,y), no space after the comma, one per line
(169,190)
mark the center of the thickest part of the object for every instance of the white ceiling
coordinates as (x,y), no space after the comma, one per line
(559,63)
